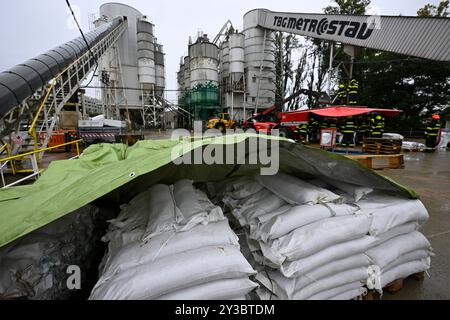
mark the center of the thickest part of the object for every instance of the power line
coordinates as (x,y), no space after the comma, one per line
(85,40)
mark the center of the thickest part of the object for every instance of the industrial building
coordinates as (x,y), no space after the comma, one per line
(240,66)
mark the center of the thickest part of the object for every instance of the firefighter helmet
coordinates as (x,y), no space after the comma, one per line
(436,117)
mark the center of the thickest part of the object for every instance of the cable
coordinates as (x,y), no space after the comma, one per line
(85,40)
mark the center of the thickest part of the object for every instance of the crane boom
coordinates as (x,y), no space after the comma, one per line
(427,38)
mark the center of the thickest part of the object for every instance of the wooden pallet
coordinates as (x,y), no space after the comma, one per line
(380,162)
(382,146)
(394,287)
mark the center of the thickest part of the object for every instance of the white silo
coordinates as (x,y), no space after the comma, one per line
(224,71)
(160,70)
(180,78)
(204,62)
(226,65)
(259,49)
(128,53)
(235,101)
(146,54)
(187,73)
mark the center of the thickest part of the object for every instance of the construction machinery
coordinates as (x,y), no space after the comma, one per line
(222,123)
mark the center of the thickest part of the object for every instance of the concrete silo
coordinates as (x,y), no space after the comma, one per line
(259,48)
(236,90)
(204,79)
(127,48)
(160,70)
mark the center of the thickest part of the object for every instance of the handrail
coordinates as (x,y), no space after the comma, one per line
(32,130)
(41,151)
(2,148)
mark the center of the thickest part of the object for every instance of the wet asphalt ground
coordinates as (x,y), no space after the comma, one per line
(429,175)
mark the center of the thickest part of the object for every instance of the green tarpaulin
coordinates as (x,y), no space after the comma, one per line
(118,172)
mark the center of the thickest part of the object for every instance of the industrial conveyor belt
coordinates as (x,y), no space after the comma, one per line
(22,81)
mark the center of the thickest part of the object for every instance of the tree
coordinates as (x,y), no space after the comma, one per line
(357,7)
(431,10)
(419,87)
(284,68)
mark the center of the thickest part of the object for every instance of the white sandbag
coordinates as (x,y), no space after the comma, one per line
(355,287)
(390,212)
(295,191)
(337,252)
(243,298)
(227,289)
(356,192)
(194,206)
(396,232)
(266,295)
(287,287)
(411,256)
(315,237)
(284,289)
(404,271)
(167,244)
(175,273)
(298,217)
(390,251)
(163,213)
(263,261)
(186,199)
(133,214)
(118,239)
(243,188)
(267,217)
(261,204)
(337,280)
(338,266)
(350,295)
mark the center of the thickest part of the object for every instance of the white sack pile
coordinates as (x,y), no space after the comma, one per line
(172,243)
(35,266)
(400,250)
(313,243)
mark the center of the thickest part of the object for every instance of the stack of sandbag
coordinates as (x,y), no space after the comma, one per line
(308,244)
(400,250)
(35,267)
(172,243)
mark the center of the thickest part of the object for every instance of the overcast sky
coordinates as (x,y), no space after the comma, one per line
(28,28)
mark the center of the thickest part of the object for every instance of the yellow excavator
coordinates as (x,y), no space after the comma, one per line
(222,123)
